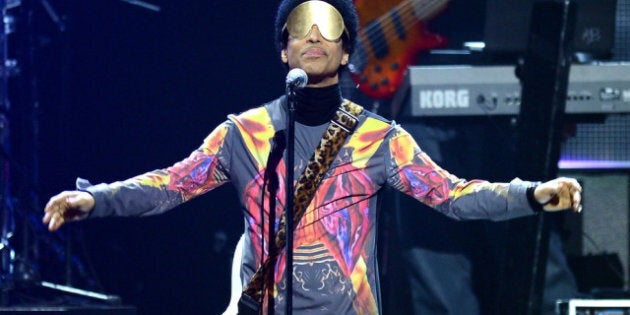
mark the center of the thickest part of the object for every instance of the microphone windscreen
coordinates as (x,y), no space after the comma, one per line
(297,78)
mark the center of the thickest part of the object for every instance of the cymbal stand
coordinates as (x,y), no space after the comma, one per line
(143,4)
(16,267)
(7,219)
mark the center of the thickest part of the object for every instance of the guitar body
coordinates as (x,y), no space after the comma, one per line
(390,36)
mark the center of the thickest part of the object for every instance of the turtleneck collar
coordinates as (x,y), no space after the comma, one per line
(316,106)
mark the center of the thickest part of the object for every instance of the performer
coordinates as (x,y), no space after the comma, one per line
(335,263)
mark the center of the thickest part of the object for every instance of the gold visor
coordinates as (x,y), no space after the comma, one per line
(328,20)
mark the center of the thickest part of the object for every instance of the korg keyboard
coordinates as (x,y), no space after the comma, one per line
(495,90)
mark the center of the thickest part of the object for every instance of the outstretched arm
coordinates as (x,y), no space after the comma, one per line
(413,172)
(147,194)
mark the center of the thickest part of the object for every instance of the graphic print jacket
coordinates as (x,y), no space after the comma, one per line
(335,263)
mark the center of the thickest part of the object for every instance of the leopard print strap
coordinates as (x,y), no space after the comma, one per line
(342,125)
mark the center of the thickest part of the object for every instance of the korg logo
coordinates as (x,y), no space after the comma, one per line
(444,99)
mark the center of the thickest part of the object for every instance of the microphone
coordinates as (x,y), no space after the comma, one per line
(296,79)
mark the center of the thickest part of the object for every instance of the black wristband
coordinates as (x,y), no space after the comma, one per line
(533,203)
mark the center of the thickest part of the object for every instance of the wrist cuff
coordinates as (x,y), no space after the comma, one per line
(533,203)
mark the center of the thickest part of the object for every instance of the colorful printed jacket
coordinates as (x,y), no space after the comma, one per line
(335,263)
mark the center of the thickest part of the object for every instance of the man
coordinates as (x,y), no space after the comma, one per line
(335,263)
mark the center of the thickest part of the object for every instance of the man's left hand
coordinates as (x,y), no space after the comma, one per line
(560,194)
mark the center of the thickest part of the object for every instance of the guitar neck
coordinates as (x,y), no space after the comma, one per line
(405,15)
(423,9)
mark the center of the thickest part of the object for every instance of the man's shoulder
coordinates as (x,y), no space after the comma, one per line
(373,116)
(258,118)
(372,120)
(258,111)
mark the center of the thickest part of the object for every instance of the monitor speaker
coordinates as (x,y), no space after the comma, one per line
(597,240)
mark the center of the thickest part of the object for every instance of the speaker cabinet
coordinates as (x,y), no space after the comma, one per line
(597,241)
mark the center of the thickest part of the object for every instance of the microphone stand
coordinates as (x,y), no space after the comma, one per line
(288,212)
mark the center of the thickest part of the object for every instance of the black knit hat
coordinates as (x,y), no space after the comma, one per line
(345,7)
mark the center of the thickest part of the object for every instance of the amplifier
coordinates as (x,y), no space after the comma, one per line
(592,307)
(495,90)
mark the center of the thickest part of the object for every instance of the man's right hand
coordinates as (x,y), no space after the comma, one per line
(67,206)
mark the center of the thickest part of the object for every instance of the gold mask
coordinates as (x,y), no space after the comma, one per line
(328,20)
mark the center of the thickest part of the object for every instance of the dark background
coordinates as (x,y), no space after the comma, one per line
(118,90)
(124,90)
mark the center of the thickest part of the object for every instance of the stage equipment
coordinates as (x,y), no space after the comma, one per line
(70,310)
(144,4)
(391,34)
(599,88)
(508,22)
(586,306)
(598,239)
(544,76)
(7,218)
(19,274)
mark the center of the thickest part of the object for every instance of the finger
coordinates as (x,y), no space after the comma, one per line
(56,222)
(46,218)
(52,223)
(53,205)
(52,226)
(52,208)
(576,184)
(577,201)
(60,221)
(574,196)
(575,189)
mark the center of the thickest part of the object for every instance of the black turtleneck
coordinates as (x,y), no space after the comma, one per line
(316,106)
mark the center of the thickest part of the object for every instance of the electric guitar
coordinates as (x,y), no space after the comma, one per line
(388,42)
